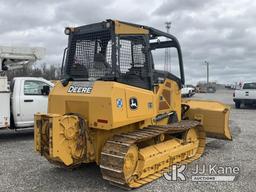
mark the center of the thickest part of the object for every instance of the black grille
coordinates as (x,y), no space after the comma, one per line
(133,62)
(90,55)
(132,55)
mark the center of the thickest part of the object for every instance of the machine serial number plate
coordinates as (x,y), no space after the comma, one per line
(80,87)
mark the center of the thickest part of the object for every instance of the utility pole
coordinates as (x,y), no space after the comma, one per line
(207,71)
(1,63)
(168,26)
(167,59)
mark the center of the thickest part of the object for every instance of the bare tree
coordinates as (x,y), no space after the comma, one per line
(52,72)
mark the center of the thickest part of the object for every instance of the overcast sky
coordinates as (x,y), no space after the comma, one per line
(221,32)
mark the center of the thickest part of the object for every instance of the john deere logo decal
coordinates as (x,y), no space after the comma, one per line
(76,89)
(80,87)
(133,103)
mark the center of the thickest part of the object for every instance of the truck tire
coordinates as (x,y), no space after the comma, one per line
(237,104)
(12,124)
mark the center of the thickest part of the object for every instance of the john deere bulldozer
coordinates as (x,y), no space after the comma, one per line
(115,108)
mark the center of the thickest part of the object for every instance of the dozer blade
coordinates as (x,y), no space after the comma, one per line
(214,117)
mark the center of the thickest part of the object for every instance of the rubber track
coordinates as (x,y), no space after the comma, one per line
(114,151)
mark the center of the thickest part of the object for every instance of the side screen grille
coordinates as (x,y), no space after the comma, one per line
(132,54)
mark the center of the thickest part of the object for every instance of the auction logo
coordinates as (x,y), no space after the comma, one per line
(203,172)
(176,172)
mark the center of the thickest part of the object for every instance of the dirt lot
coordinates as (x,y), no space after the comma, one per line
(21,169)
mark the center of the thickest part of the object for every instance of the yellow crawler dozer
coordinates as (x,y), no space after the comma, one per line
(114,107)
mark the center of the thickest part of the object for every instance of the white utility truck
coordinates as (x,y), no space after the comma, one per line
(25,96)
(246,95)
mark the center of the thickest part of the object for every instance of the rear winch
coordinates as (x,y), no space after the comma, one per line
(66,142)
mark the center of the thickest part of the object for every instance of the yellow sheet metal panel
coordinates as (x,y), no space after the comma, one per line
(139,103)
(168,99)
(213,115)
(106,106)
(126,29)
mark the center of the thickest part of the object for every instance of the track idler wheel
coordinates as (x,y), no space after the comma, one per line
(191,136)
(130,163)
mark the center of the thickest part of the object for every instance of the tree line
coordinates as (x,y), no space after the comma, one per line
(52,72)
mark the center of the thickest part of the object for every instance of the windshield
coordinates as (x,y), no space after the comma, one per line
(249,86)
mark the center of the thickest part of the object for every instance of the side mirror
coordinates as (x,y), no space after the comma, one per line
(46,90)
(3,66)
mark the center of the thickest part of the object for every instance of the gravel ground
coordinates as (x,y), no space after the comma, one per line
(21,169)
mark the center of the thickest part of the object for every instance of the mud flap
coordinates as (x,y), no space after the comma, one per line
(213,115)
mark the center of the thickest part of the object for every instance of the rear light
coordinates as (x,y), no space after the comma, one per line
(102,121)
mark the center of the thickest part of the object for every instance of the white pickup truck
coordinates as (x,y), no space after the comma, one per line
(27,96)
(246,95)
(187,91)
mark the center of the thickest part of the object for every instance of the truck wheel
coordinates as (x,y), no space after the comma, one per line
(237,105)
(12,124)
